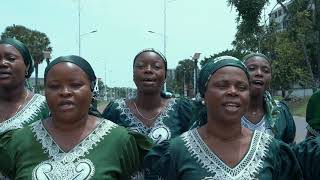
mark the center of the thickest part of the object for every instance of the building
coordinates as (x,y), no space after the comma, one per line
(278,15)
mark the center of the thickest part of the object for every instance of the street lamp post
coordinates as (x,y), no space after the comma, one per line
(80,39)
(195,58)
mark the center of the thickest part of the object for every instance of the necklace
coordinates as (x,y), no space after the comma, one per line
(19,107)
(149,119)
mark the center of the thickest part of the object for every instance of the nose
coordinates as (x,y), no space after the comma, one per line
(65,91)
(3,61)
(148,69)
(232,91)
(259,72)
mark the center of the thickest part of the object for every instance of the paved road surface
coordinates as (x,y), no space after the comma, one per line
(300,128)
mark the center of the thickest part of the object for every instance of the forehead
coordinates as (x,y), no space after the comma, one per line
(7,48)
(258,61)
(149,57)
(229,73)
(67,70)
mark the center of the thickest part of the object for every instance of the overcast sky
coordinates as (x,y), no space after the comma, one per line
(204,26)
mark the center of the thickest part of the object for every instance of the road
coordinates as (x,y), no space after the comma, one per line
(300,128)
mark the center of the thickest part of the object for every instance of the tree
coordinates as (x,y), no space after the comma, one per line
(232,52)
(36,41)
(185,77)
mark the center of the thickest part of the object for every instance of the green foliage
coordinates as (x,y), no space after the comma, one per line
(36,41)
(185,76)
(288,67)
(232,52)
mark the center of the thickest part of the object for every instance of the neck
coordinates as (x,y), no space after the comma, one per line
(222,130)
(71,125)
(148,101)
(256,103)
(12,94)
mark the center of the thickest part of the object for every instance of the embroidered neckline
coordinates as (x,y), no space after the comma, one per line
(25,114)
(262,126)
(138,125)
(247,168)
(79,150)
(246,121)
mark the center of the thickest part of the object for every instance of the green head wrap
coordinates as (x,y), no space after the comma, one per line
(313,113)
(245,58)
(163,58)
(212,66)
(77,60)
(86,67)
(24,51)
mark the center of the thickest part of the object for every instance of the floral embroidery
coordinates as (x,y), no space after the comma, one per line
(36,104)
(246,169)
(159,132)
(72,164)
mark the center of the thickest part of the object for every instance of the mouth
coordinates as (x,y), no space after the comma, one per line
(4,74)
(148,81)
(66,105)
(231,106)
(257,82)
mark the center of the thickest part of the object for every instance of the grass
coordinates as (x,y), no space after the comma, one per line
(298,106)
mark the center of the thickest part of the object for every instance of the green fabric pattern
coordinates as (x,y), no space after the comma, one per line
(308,155)
(24,51)
(212,66)
(187,157)
(172,121)
(108,152)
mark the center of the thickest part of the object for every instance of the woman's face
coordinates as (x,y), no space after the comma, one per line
(260,75)
(149,72)
(67,90)
(12,67)
(227,93)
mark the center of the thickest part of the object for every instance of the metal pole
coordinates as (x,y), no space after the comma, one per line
(165,36)
(79,28)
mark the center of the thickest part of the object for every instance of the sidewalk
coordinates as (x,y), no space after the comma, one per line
(301,130)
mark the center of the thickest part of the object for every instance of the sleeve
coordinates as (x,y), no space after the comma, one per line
(290,130)
(158,163)
(308,155)
(111,113)
(134,149)
(185,113)
(287,165)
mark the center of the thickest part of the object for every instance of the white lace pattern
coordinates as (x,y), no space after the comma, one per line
(25,115)
(72,164)
(248,167)
(262,125)
(158,132)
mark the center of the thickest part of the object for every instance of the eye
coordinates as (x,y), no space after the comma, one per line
(76,85)
(243,87)
(251,68)
(53,86)
(221,85)
(266,70)
(157,66)
(11,58)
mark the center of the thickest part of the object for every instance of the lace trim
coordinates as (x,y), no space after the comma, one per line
(34,106)
(134,122)
(246,169)
(262,126)
(57,154)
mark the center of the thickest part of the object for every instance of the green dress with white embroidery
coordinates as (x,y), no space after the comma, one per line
(188,157)
(108,152)
(35,109)
(173,120)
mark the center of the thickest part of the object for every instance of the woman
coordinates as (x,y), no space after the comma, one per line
(264,113)
(18,106)
(72,143)
(308,151)
(223,149)
(149,112)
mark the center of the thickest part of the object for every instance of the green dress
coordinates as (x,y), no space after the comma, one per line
(35,109)
(188,157)
(172,121)
(108,152)
(308,155)
(283,128)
